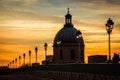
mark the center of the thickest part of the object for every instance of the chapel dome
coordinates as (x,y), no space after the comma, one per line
(68,34)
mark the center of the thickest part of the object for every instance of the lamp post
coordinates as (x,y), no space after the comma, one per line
(78,36)
(16,62)
(24,58)
(45,46)
(10,64)
(36,50)
(30,57)
(109,27)
(19,61)
(13,63)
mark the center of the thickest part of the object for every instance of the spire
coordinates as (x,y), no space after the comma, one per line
(68,10)
(68,17)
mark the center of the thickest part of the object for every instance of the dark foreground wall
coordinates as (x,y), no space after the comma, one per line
(69,72)
(60,75)
(56,75)
(104,69)
(107,69)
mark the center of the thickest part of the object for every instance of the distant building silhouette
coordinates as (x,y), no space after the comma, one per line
(116,58)
(97,59)
(49,60)
(68,46)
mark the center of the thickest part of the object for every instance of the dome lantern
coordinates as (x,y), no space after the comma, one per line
(68,18)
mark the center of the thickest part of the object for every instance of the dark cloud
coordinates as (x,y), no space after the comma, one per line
(21,41)
(52,6)
(56,3)
(24,15)
(115,2)
(23,4)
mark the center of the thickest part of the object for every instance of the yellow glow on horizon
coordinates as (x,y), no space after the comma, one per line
(46,33)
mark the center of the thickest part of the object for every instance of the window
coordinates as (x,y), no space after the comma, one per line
(61,54)
(72,54)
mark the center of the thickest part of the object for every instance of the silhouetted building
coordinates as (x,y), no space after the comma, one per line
(116,58)
(49,59)
(97,59)
(35,64)
(68,46)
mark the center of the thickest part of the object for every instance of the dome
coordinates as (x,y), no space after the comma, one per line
(68,35)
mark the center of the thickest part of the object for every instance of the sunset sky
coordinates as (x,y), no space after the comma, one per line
(25,24)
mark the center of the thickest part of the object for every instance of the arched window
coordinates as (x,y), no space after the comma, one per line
(61,54)
(72,54)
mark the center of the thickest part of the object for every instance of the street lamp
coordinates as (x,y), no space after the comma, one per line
(45,46)
(13,63)
(30,57)
(16,62)
(36,49)
(10,64)
(24,58)
(109,27)
(78,36)
(19,61)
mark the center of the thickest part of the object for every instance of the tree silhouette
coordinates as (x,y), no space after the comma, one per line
(36,50)
(29,57)
(24,58)
(19,60)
